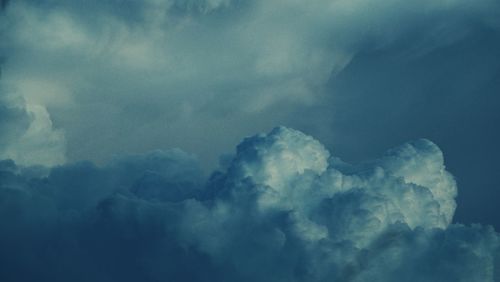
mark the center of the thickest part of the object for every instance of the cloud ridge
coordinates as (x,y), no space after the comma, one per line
(282,209)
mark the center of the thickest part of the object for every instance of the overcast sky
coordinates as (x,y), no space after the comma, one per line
(99,80)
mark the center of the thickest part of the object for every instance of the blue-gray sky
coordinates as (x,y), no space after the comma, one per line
(108,82)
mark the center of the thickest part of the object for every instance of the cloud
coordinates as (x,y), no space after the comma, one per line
(280,209)
(28,135)
(175,70)
(448,94)
(99,79)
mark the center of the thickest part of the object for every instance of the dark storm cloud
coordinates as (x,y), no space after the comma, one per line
(282,210)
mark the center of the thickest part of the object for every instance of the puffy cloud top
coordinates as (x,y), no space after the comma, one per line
(276,158)
(281,210)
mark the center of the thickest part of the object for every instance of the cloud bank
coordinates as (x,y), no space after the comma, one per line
(281,208)
(105,78)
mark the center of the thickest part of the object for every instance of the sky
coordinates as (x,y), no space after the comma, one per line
(145,140)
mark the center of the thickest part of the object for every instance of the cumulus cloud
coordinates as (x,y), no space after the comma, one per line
(280,209)
(101,78)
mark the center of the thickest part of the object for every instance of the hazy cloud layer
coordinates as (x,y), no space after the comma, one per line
(280,209)
(191,73)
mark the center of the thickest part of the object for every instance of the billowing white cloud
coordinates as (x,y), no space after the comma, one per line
(281,209)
